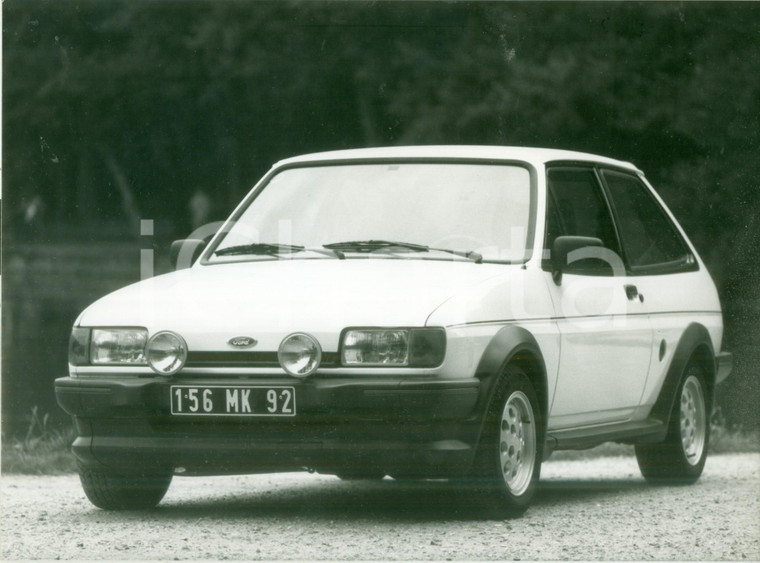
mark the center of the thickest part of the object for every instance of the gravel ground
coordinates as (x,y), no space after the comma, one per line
(591,509)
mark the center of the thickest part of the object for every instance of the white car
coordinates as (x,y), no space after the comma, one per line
(431,312)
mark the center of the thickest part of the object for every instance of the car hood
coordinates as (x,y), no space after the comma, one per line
(268,299)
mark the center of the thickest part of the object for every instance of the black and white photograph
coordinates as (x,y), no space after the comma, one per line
(380,280)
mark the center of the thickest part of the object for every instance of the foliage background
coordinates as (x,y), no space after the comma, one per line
(117,111)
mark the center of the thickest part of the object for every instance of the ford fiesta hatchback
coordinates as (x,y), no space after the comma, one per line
(430,312)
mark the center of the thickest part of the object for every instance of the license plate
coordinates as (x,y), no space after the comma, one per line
(233,401)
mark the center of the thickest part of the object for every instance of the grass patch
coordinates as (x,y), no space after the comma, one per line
(42,451)
(42,456)
(733,440)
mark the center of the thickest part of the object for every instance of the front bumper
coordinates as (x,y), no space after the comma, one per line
(392,425)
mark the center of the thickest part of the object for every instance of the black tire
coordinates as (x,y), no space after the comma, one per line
(680,458)
(511,447)
(136,490)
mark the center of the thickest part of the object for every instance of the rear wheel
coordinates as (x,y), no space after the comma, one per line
(112,490)
(681,457)
(510,453)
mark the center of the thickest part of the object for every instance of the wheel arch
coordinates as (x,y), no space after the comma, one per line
(512,345)
(695,343)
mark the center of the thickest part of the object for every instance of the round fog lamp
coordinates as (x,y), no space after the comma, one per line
(166,353)
(299,354)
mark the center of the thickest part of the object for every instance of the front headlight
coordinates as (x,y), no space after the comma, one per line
(412,347)
(166,353)
(118,346)
(299,354)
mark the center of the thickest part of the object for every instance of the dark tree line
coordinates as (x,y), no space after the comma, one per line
(117,111)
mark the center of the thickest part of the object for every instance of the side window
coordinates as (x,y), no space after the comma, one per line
(576,207)
(649,238)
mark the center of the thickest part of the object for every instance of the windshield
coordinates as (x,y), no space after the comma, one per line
(418,210)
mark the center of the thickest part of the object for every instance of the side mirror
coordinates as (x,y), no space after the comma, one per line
(562,247)
(183,253)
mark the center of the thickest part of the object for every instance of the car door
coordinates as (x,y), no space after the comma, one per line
(605,333)
(662,267)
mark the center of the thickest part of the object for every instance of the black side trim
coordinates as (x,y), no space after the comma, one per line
(577,317)
(694,337)
(645,431)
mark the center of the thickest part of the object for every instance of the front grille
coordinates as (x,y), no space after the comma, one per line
(247,360)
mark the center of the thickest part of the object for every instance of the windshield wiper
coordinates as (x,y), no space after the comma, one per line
(471,254)
(372,245)
(260,248)
(269,249)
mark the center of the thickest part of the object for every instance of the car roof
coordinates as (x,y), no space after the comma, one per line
(525,154)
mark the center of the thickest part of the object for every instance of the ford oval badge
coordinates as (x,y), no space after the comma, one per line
(242,342)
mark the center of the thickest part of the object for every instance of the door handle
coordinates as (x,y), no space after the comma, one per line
(632,292)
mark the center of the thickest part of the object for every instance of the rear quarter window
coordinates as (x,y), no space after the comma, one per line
(650,240)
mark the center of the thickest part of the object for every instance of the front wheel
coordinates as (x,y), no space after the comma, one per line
(135,490)
(680,459)
(511,453)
